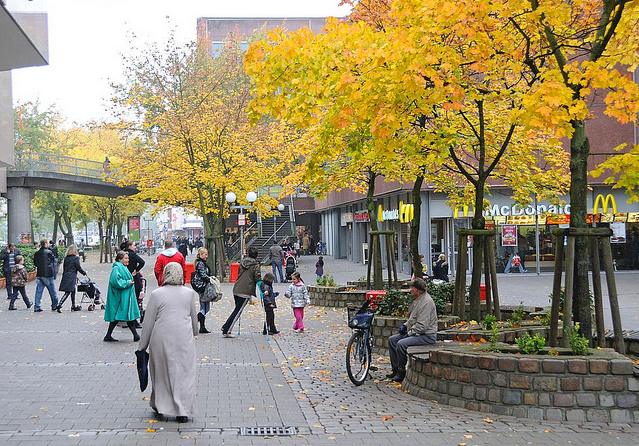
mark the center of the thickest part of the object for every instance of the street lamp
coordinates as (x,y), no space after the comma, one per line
(241,222)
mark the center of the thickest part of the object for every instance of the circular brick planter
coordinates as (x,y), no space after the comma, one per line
(340,297)
(598,388)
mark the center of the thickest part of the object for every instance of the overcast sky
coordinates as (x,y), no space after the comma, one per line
(87,37)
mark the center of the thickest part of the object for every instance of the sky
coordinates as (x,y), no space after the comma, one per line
(88,37)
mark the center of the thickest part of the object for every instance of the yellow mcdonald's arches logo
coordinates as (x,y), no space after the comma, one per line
(406,212)
(606,201)
(456,211)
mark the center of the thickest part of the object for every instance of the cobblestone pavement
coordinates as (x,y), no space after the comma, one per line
(61,385)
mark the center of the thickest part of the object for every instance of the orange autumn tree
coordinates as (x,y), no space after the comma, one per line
(454,88)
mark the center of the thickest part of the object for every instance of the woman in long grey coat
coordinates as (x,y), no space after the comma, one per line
(170,324)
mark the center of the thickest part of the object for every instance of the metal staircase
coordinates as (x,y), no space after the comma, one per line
(271,228)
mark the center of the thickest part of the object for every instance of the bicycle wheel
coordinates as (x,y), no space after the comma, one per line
(358,358)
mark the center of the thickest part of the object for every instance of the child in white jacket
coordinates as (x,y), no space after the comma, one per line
(298,293)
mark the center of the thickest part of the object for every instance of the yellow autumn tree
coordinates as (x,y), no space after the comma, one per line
(587,51)
(438,86)
(189,138)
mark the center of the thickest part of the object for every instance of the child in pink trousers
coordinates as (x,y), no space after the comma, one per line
(298,293)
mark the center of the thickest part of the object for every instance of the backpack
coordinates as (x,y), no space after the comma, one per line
(516,260)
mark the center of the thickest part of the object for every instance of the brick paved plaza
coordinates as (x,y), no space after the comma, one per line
(62,385)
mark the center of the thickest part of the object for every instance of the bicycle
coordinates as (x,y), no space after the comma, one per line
(359,348)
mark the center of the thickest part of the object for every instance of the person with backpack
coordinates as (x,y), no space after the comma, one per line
(200,278)
(268,300)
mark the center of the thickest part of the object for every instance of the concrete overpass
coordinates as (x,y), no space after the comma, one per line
(56,173)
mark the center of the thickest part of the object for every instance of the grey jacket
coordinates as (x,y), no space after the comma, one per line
(275,253)
(422,317)
(248,276)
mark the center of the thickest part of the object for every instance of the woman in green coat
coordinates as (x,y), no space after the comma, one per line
(121,304)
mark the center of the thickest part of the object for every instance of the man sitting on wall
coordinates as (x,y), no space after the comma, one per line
(419,329)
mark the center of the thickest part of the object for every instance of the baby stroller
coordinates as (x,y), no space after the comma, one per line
(290,265)
(90,293)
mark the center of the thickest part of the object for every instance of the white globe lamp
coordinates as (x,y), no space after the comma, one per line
(251,197)
(230,197)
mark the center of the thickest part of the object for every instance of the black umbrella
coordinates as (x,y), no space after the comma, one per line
(143,368)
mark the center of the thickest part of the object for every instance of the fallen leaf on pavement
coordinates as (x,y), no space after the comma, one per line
(468,437)
(488,420)
(150,429)
(151,421)
(387,417)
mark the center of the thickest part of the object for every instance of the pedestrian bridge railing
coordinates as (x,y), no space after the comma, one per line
(55,163)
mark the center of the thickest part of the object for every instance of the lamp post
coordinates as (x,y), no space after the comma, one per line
(241,222)
(280,208)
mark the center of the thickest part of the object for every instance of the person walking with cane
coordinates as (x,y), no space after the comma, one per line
(243,289)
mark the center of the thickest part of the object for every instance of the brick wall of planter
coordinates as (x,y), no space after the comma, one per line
(599,388)
(386,326)
(336,296)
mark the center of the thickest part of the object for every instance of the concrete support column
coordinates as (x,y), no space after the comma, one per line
(19,212)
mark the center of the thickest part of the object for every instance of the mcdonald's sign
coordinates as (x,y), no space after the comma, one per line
(406,212)
(607,201)
(456,211)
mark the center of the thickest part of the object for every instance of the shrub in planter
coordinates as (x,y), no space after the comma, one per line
(326,280)
(394,303)
(442,294)
(530,345)
(578,343)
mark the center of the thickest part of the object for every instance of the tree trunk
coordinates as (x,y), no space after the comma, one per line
(579,150)
(414,227)
(68,234)
(478,252)
(56,223)
(119,232)
(218,245)
(378,280)
(101,235)
(209,242)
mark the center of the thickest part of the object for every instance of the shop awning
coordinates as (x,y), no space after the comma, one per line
(16,49)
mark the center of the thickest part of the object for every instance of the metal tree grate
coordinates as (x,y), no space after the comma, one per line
(268,431)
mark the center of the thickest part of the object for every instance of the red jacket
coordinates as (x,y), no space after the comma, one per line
(167,256)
